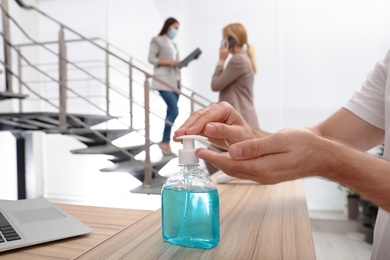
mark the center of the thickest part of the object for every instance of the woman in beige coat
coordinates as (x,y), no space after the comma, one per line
(164,56)
(235,82)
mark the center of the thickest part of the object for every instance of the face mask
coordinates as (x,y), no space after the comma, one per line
(172,33)
(223,41)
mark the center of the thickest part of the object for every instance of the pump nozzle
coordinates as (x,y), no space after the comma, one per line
(187,154)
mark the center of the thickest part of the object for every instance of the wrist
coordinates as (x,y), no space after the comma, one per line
(338,161)
(328,167)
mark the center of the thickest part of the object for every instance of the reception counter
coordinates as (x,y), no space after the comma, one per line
(257,222)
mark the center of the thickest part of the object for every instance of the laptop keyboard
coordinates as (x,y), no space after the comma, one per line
(7,232)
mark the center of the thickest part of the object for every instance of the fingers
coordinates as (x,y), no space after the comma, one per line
(283,141)
(258,147)
(251,169)
(221,130)
(286,155)
(230,133)
(224,46)
(265,170)
(196,123)
(221,161)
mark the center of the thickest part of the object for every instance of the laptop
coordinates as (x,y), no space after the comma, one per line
(34,221)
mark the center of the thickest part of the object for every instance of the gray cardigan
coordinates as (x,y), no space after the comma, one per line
(160,49)
(235,85)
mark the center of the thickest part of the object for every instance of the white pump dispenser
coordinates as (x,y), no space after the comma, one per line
(190,202)
(187,155)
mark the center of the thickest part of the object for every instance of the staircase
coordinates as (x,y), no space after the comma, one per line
(86,127)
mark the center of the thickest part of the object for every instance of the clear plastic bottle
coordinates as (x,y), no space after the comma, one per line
(190,203)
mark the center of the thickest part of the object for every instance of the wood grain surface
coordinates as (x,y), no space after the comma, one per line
(105,222)
(257,222)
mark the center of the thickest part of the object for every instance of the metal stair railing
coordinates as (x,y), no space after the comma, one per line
(74,118)
(147,74)
(63,61)
(193,93)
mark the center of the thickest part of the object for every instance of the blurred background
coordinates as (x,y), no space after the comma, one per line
(312,55)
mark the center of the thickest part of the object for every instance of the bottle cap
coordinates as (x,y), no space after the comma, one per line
(187,154)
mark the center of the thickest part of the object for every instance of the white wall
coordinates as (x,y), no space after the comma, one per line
(311,55)
(8,162)
(8,166)
(326,51)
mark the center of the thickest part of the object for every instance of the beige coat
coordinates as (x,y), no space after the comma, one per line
(235,85)
(160,49)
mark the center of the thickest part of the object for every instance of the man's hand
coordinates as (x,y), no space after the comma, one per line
(220,123)
(286,155)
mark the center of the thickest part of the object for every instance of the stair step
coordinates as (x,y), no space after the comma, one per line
(35,123)
(119,156)
(165,159)
(49,120)
(137,168)
(13,125)
(89,138)
(155,186)
(125,166)
(52,118)
(108,149)
(10,95)
(91,120)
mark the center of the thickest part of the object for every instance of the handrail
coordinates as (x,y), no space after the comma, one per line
(50,77)
(108,85)
(123,95)
(29,7)
(51,42)
(143,63)
(76,66)
(74,118)
(49,50)
(23,5)
(147,74)
(117,48)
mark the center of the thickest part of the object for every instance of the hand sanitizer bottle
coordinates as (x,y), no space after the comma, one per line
(190,203)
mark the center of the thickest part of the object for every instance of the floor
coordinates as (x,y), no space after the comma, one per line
(337,238)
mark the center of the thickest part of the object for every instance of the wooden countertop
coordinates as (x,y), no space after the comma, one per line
(105,222)
(257,222)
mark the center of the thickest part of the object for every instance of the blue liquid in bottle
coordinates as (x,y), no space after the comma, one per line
(190,217)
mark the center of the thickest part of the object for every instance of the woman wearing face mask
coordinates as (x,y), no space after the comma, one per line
(235,82)
(164,56)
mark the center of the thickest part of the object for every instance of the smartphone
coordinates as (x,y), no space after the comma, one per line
(231,41)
